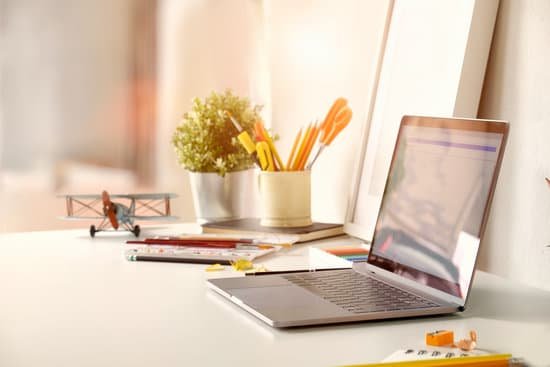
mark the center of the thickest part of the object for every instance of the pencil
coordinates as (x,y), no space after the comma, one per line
(492,360)
(175,259)
(303,143)
(309,147)
(189,243)
(294,146)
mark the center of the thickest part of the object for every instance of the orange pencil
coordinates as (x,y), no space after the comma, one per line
(309,147)
(258,131)
(294,146)
(303,144)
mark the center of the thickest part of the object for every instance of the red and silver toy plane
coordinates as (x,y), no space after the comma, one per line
(116,214)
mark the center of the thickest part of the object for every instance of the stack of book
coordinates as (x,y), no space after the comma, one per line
(251,226)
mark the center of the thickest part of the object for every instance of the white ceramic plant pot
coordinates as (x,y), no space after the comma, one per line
(222,198)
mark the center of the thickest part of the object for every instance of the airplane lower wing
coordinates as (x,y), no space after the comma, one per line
(153,217)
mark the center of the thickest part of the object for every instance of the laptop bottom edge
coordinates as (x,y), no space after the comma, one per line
(362,317)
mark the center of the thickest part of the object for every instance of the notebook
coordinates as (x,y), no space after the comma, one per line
(251,226)
(424,248)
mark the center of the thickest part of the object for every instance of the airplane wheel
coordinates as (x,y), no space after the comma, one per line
(136,230)
(92,231)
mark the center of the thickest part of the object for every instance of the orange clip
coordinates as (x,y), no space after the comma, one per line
(440,338)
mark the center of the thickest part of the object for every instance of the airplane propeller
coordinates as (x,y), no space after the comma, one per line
(109,209)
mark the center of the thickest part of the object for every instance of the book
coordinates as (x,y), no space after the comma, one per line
(251,226)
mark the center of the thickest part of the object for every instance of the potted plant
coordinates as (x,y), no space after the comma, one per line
(206,145)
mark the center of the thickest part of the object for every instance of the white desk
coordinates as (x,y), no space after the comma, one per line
(69,300)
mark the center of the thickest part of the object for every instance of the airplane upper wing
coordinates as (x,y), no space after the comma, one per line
(153,206)
(154,196)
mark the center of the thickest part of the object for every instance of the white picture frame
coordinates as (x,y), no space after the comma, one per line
(432,63)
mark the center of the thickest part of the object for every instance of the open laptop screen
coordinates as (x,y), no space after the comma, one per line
(436,200)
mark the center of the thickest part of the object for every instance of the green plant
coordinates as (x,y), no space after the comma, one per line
(206,140)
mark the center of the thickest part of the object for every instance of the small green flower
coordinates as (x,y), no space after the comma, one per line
(205,140)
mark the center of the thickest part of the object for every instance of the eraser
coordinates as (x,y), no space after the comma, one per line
(440,338)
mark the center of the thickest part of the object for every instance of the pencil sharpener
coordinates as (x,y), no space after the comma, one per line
(440,338)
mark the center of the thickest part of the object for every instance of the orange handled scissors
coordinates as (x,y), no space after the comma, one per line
(337,119)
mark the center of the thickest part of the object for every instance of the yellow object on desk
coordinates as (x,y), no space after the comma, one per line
(491,360)
(309,146)
(265,156)
(440,338)
(242,265)
(272,147)
(215,267)
(245,139)
(300,153)
(293,151)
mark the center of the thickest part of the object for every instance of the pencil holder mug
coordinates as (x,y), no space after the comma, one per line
(285,198)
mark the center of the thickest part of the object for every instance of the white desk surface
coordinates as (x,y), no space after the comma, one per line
(69,300)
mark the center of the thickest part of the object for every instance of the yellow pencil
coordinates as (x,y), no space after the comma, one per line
(309,146)
(303,143)
(294,146)
(492,360)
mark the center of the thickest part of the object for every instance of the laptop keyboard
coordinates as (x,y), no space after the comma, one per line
(358,293)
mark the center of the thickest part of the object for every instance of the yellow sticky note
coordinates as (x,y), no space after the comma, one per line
(242,265)
(215,267)
(260,269)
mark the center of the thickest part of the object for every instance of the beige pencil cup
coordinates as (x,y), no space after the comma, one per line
(285,198)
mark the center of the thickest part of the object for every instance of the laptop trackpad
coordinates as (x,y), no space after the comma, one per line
(288,303)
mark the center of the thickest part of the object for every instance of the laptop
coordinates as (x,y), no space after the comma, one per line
(432,216)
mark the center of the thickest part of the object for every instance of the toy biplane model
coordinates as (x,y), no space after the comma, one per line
(115,214)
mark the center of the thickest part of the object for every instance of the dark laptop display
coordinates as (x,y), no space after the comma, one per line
(436,200)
